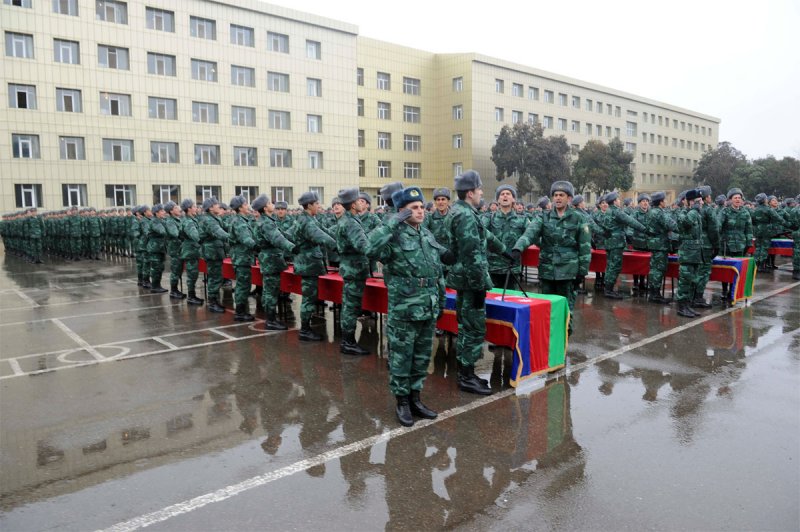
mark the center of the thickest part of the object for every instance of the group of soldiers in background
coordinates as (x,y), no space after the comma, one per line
(461,243)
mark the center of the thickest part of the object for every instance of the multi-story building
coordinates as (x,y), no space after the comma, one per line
(115,103)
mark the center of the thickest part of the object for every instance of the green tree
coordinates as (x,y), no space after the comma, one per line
(602,167)
(717,167)
(621,175)
(536,161)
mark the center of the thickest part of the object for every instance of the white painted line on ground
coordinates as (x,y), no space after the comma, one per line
(74,316)
(222,333)
(80,341)
(361,445)
(26,297)
(79,302)
(15,367)
(164,342)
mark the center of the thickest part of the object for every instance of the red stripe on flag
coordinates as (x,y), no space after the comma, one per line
(540,336)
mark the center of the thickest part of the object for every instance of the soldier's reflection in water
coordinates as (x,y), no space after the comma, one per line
(442,476)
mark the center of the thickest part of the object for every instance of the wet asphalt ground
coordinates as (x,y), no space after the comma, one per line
(120,409)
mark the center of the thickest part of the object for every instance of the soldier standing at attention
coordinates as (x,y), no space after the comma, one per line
(36,232)
(94,233)
(271,246)
(710,245)
(386,195)
(469,276)
(416,299)
(144,235)
(735,231)
(764,219)
(507,226)
(309,260)
(351,243)
(639,238)
(75,233)
(368,220)
(566,245)
(659,225)
(690,255)
(242,246)
(615,221)
(156,247)
(213,238)
(172,224)
(190,248)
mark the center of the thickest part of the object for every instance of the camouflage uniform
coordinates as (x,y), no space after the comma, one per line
(507,228)
(736,231)
(142,264)
(710,243)
(213,238)
(309,261)
(351,243)
(690,227)
(156,248)
(172,225)
(659,225)
(242,245)
(615,221)
(272,246)
(190,252)
(765,220)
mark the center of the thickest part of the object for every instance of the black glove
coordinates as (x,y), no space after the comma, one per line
(448,258)
(513,255)
(403,215)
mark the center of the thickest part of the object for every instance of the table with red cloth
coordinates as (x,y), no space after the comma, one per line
(633,262)
(737,271)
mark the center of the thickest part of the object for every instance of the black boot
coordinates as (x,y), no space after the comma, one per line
(242,314)
(419,409)
(306,334)
(796,275)
(349,346)
(403,411)
(612,294)
(685,311)
(146,283)
(157,288)
(174,293)
(273,324)
(656,297)
(699,302)
(469,382)
(193,299)
(214,306)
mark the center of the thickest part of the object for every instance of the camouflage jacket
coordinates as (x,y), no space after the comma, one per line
(710,229)
(144,233)
(436,223)
(369,221)
(93,227)
(507,228)
(190,238)
(212,237)
(565,242)
(351,243)
(659,225)
(271,246)
(469,242)
(242,241)
(173,227)
(411,257)
(690,233)
(308,237)
(638,237)
(158,234)
(614,222)
(735,230)
(766,221)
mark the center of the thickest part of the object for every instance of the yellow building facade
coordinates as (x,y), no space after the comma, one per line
(114,103)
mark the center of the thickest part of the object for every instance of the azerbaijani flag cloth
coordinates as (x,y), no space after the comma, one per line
(742,275)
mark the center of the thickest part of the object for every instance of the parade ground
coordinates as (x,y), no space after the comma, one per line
(121,409)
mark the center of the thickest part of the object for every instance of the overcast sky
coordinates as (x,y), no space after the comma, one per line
(738,61)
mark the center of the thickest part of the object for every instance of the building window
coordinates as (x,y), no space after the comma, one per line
(204,70)
(71,148)
(66,52)
(362,168)
(248,192)
(384,81)
(113,57)
(280,119)
(206,154)
(204,192)
(384,111)
(575,126)
(589,104)
(277,82)
(243,76)
(160,64)
(533,93)
(162,108)
(66,7)
(548,122)
(458,141)
(499,86)
(315,160)
(120,195)
(313,49)
(115,104)
(630,129)
(245,156)
(385,169)
(576,102)
(516,117)
(160,19)
(411,86)
(608,109)
(412,170)
(598,130)
(313,87)
(533,118)
(69,100)
(516,90)
(28,196)
(165,193)
(562,124)
(384,140)
(73,195)
(458,169)
(279,158)
(243,36)
(360,107)
(243,116)
(282,194)
(411,114)
(19,45)
(25,146)
(458,84)
(589,129)
(314,123)
(21,96)
(599,108)
(562,99)
(549,97)
(361,138)
(319,191)
(111,11)
(164,152)
(412,143)
(608,131)
(205,112)
(120,150)
(458,112)
(617,111)
(360,77)
(616,132)
(203,28)
(498,114)
(277,42)
(18,3)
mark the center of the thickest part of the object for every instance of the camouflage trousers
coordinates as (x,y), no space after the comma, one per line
(659,259)
(75,246)
(175,270)
(142,267)
(796,255)
(309,303)
(409,353)
(35,248)
(613,267)
(561,288)
(704,272)
(352,294)
(214,273)
(94,246)
(688,280)
(243,281)
(271,283)
(762,249)
(192,273)
(471,316)
(156,263)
